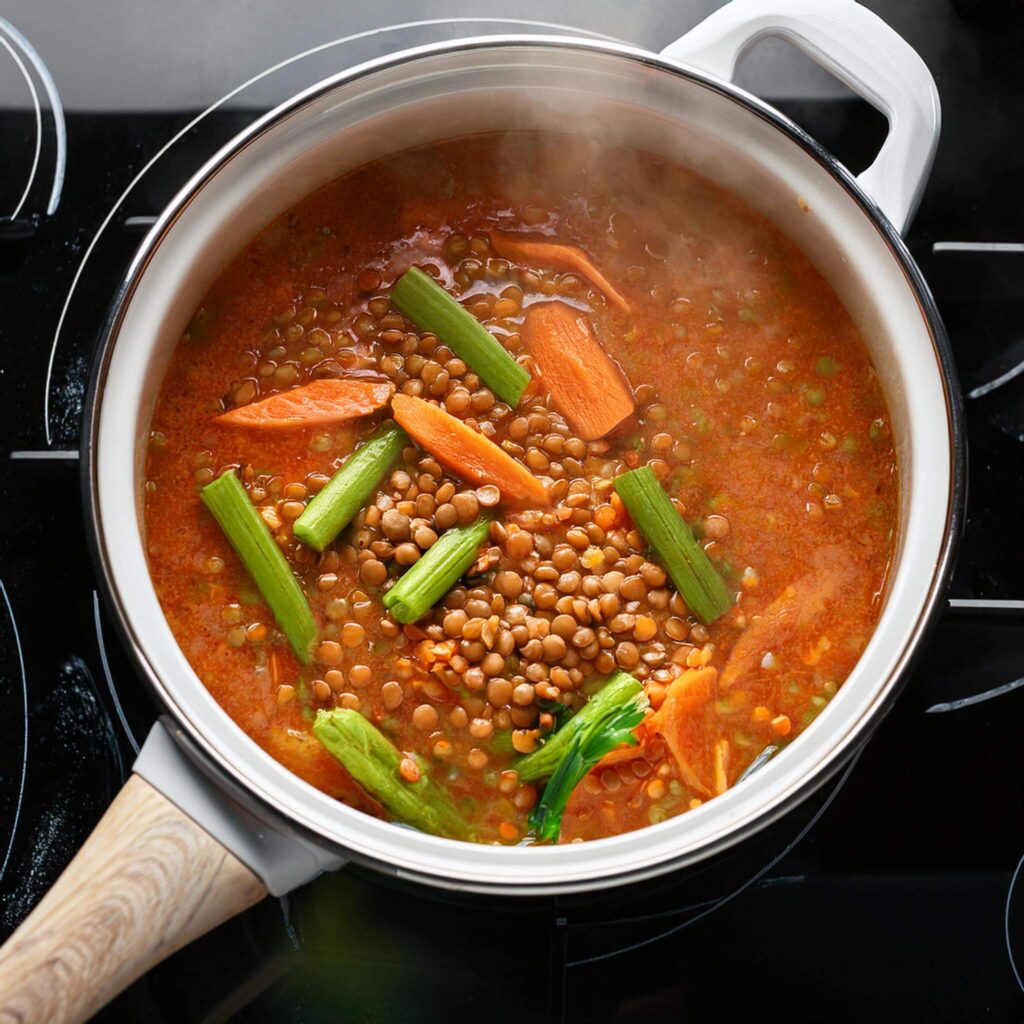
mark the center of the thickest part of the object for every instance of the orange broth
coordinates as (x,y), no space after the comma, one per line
(757,406)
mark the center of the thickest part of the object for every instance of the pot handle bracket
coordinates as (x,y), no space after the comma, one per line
(281,861)
(865,54)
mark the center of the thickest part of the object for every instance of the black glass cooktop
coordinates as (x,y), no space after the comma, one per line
(891,895)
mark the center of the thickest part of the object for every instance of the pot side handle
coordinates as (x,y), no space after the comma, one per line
(147,881)
(864,53)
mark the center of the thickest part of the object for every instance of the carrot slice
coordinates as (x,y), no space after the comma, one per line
(318,403)
(619,756)
(558,256)
(680,721)
(586,386)
(463,450)
(723,756)
(801,609)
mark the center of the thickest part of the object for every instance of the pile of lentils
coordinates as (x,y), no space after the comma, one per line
(559,597)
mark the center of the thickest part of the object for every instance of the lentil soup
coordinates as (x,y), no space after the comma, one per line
(660,486)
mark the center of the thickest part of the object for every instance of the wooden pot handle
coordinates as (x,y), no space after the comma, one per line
(147,881)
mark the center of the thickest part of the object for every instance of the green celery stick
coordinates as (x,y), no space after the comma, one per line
(672,540)
(618,690)
(436,572)
(597,737)
(374,761)
(251,538)
(350,488)
(432,309)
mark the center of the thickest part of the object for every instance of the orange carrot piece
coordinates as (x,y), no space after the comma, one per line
(315,404)
(471,455)
(585,384)
(558,256)
(618,756)
(722,757)
(680,721)
(801,609)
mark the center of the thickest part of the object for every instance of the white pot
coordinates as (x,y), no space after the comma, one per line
(679,104)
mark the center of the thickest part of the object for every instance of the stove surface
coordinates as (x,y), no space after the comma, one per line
(893,894)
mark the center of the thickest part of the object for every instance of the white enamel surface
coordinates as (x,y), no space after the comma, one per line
(858,48)
(281,862)
(612,93)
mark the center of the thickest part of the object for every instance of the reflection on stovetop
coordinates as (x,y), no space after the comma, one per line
(34,154)
(980,289)
(894,893)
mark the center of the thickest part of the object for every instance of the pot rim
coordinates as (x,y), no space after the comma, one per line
(222,769)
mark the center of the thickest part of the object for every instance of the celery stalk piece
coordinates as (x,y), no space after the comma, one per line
(350,488)
(618,689)
(597,737)
(436,572)
(251,538)
(432,309)
(673,543)
(375,762)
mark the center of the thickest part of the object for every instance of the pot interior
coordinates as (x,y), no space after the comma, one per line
(610,94)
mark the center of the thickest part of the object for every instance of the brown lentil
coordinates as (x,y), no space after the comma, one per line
(553,648)
(632,589)
(509,584)
(392,695)
(480,728)
(373,572)
(425,717)
(627,656)
(499,692)
(466,506)
(488,496)
(407,554)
